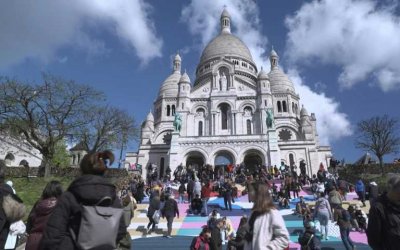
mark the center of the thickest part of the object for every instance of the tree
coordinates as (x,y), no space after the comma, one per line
(61,156)
(44,115)
(110,127)
(379,135)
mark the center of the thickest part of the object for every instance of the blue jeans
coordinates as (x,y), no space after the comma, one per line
(347,242)
(205,200)
(181,198)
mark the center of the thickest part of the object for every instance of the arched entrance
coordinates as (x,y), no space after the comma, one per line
(195,160)
(253,159)
(221,161)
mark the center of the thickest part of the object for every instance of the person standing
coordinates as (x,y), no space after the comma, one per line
(202,242)
(343,219)
(373,193)
(383,231)
(190,190)
(205,196)
(216,239)
(181,192)
(40,213)
(89,189)
(360,190)
(323,212)
(169,211)
(227,193)
(154,206)
(266,224)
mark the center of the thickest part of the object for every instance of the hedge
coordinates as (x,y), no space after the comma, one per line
(17,172)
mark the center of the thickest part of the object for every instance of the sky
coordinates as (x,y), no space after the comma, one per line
(343,56)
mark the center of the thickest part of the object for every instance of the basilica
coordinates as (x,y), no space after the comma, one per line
(233,112)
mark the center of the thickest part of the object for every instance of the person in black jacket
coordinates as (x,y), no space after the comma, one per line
(155,204)
(196,205)
(239,240)
(383,230)
(169,211)
(216,240)
(4,190)
(87,189)
(227,193)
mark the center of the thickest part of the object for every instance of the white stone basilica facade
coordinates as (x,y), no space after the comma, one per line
(224,113)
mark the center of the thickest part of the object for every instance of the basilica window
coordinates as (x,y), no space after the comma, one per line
(285,135)
(291,159)
(297,110)
(248,125)
(168,110)
(183,105)
(248,111)
(293,109)
(224,116)
(173,109)
(284,106)
(279,106)
(200,128)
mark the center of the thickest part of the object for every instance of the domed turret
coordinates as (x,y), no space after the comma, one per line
(274,59)
(263,75)
(185,78)
(177,63)
(303,111)
(280,82)
(225,22)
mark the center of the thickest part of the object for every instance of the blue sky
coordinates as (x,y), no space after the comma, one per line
(343,55)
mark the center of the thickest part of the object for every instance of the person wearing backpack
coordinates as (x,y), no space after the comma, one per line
(307,239)
(89,214)
(169,211)
(343,219)
(40,213)
(202,242)
(154,207)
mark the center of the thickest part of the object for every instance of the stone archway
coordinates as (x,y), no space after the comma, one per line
(252,159)
(195,159)
(222,159)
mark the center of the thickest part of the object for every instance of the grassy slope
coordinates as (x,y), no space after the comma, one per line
(30,191)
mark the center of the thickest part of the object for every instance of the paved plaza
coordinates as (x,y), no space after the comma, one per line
(188,226)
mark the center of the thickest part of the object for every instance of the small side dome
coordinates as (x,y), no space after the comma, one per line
(185,78)
(170,87)
(263,75)
(303,111)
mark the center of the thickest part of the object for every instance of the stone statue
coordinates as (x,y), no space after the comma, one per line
(223,81)
(178,122)
(270,119)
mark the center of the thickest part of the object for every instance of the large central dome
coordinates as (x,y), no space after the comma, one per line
(226,44)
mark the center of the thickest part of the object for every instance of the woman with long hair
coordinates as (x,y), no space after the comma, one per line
(41,212)
(91,189)
(267,228)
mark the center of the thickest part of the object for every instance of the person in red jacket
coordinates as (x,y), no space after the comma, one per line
(205,196)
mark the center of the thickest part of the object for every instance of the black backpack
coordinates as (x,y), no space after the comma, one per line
(98,226)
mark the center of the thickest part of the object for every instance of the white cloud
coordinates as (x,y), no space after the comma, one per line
(357,35)
(331,123)
(202,18)
(36,30)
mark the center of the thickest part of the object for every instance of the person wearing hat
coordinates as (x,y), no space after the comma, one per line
(89,189)
(383,229)
(373,193)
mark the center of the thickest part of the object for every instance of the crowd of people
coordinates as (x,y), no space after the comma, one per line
(56,220)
